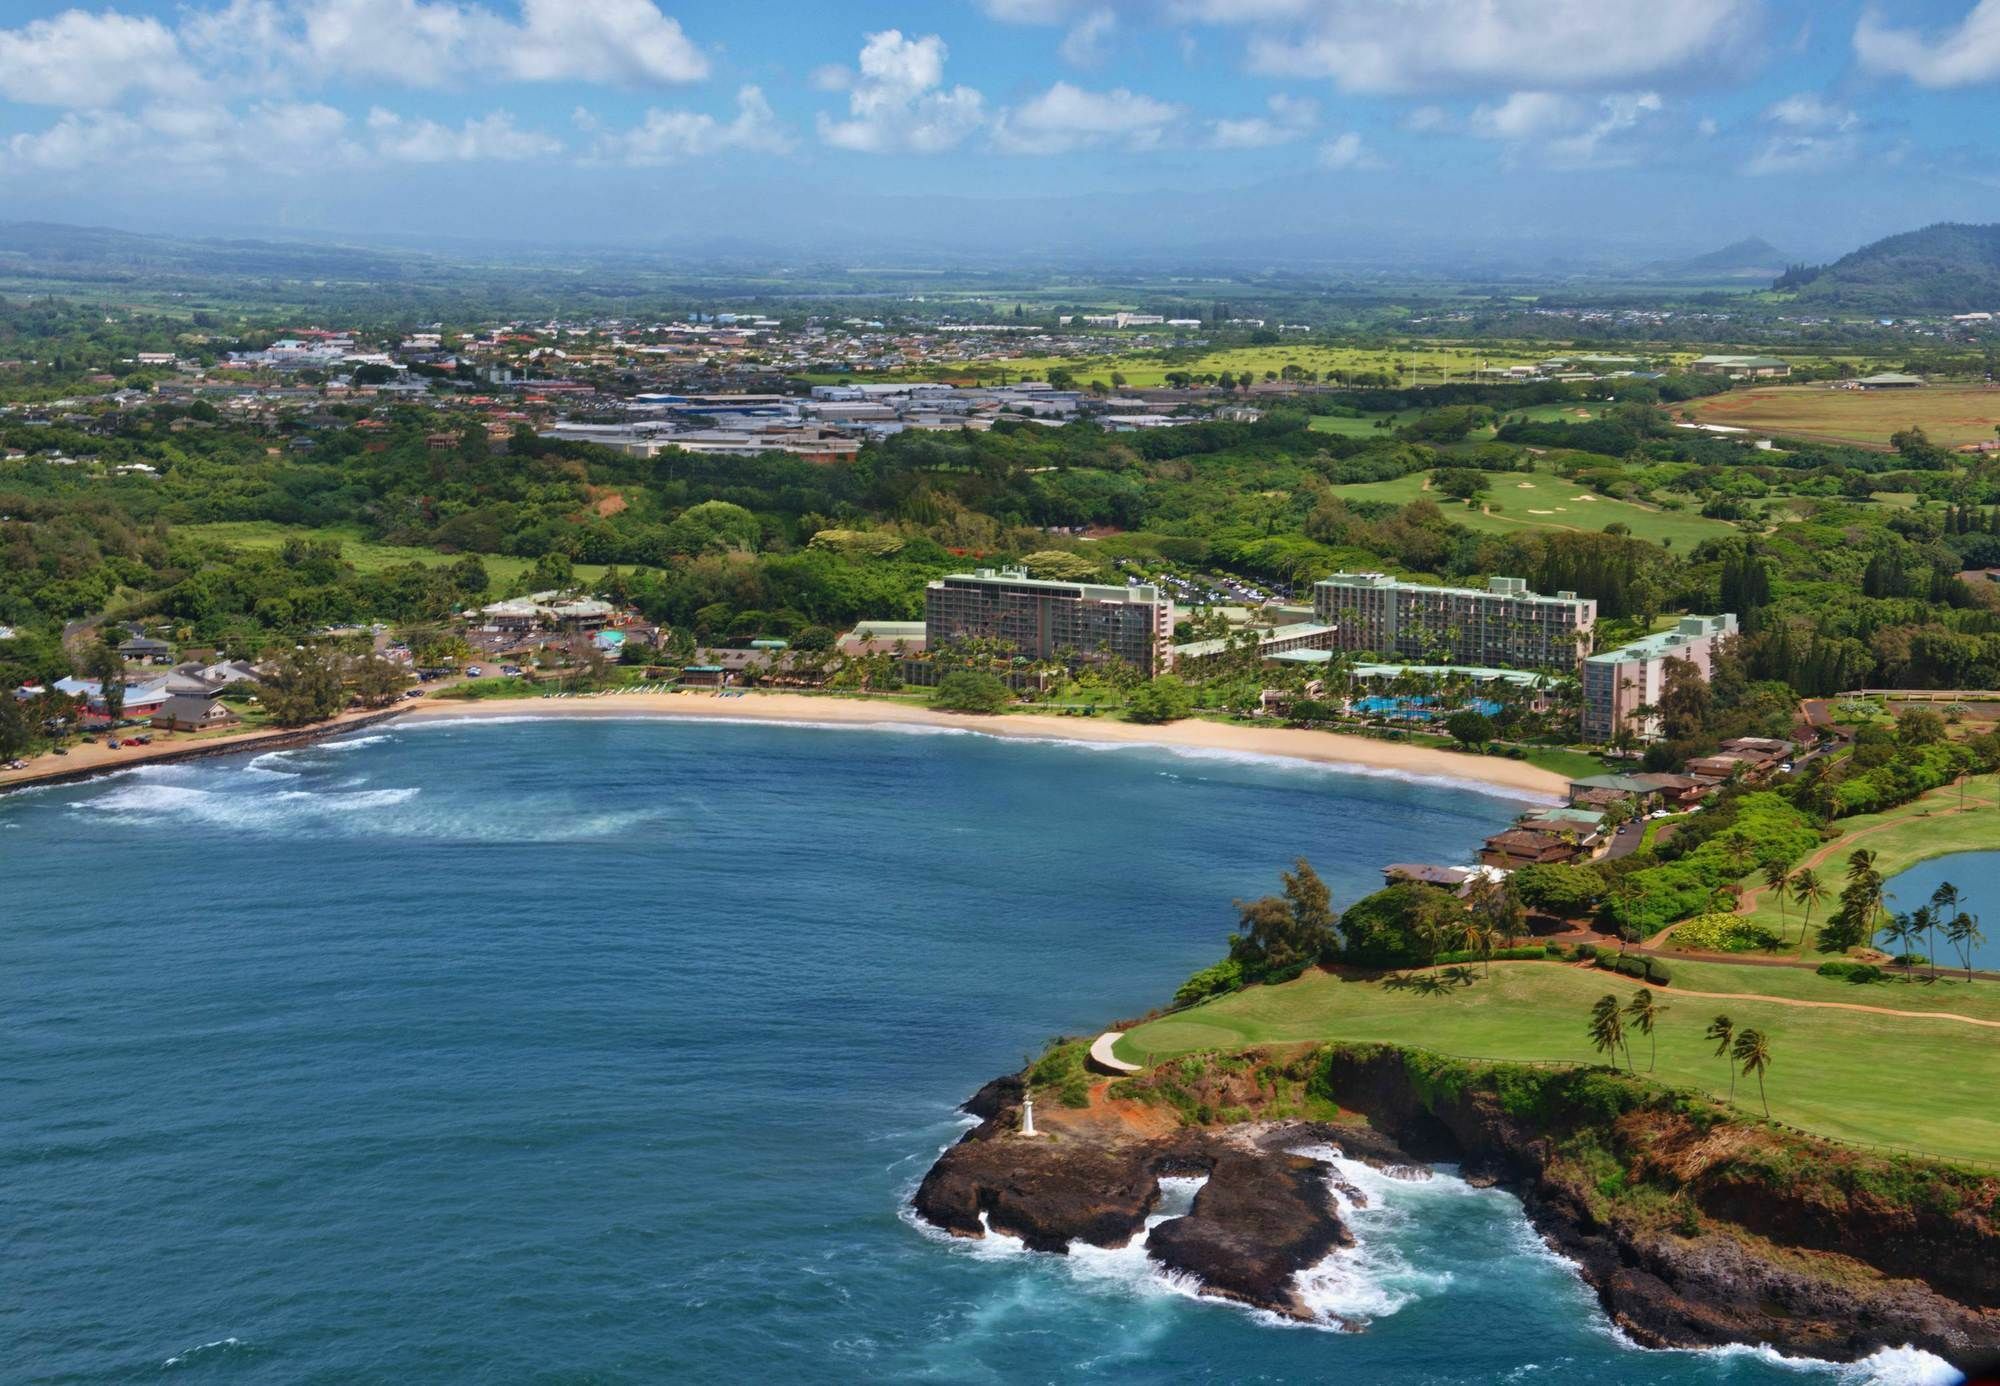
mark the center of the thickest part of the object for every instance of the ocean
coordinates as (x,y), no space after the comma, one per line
(611,1051)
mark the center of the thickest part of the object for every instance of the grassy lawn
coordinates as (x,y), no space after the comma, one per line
(1950,414)
(1900,838)
(1540,502)
(1349,428)
(1875,1079)
(365,554)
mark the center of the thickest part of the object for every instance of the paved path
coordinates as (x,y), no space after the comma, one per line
(1100,1053)
(1815,1005)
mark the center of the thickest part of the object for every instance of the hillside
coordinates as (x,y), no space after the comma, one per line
(1753,257)
(1949,267)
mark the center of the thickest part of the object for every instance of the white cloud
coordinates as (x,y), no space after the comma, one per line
(898,100)
(1083,45)
(1525,115)
(1961,56)
(492,137)
(1369,46)
(429,43)
(1428,120)
(1344,152)
(1597,144)
(1806,111)
(668,137)
(1566,131)
(188,139)
(1289,118)
(1067,117)
(78,59)
(1805,134)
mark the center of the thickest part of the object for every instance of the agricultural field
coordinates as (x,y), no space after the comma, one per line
(1952,415)
(365,554)
(1840,1072)
(1428,364)
(1542,501)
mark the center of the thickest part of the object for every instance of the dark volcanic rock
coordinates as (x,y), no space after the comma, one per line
(1260,1219)
(994,1098)
(1048,1193)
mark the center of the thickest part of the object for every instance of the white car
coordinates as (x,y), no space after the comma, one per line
(473,671)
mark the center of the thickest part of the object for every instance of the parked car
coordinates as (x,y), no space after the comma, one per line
(473,671)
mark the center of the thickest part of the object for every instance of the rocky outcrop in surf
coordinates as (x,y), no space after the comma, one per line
(1695,1227)
(1265,1212)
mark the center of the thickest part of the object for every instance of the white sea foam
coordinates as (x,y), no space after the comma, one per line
(217,1345)
(349,743)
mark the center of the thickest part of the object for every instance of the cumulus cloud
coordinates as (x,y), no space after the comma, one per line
(84,60)
(1289,118)
(897,100)
(1083,45)
(1344,152)
(188,139)
(1805,133)
(432,42)
(492,137)
(1967,53)
(1067,117)
(1368,46)
(275,44)
(670,137)
(1566,131)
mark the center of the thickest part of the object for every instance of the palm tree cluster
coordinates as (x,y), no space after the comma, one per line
(1941,912)
(1611,1027)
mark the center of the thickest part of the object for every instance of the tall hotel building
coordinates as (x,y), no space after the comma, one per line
(1618,683)
(1043,619)
(1504,624)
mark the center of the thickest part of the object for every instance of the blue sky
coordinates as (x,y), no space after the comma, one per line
(1333,128)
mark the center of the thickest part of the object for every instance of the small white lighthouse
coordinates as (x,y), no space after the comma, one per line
(1027,1114)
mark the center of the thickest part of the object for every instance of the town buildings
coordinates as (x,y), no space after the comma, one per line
(1042,619)
(1621,686)
(1503,624)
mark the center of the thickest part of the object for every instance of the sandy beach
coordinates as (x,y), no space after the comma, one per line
(1328,748)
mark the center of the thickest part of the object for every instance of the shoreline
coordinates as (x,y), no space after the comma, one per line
(1357,753)
(94,761)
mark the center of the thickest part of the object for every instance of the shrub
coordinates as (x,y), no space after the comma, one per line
(971,690)
(1218,980)
(1061,1070)
(1584,952)
(1658,973)
(1859,973)
(1467,955)
(1721,932)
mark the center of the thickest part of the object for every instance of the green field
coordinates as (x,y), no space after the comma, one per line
(365,554)
(1951,414)
(1541,502)
(1431,363)
(1906,1082)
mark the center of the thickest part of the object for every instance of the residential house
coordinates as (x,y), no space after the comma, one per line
(187,712)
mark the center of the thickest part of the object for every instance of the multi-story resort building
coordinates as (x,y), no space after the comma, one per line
(1618,683)
(1502,624)
(1048,620)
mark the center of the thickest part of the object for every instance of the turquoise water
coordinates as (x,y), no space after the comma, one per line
(610,1051)
(1977,876)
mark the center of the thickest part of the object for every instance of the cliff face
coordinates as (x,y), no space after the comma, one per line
(1695,1229)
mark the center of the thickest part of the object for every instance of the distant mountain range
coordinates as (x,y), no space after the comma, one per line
(1751,258)
(1952,267)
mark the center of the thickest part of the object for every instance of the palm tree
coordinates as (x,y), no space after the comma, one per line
(1861,872)
(1898,933)
(1723,1031)
(1944,904)
(1607,1028)
(1963,934)
(1808,890)
(1644,1012)
(1753,1052)
(1777,876)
